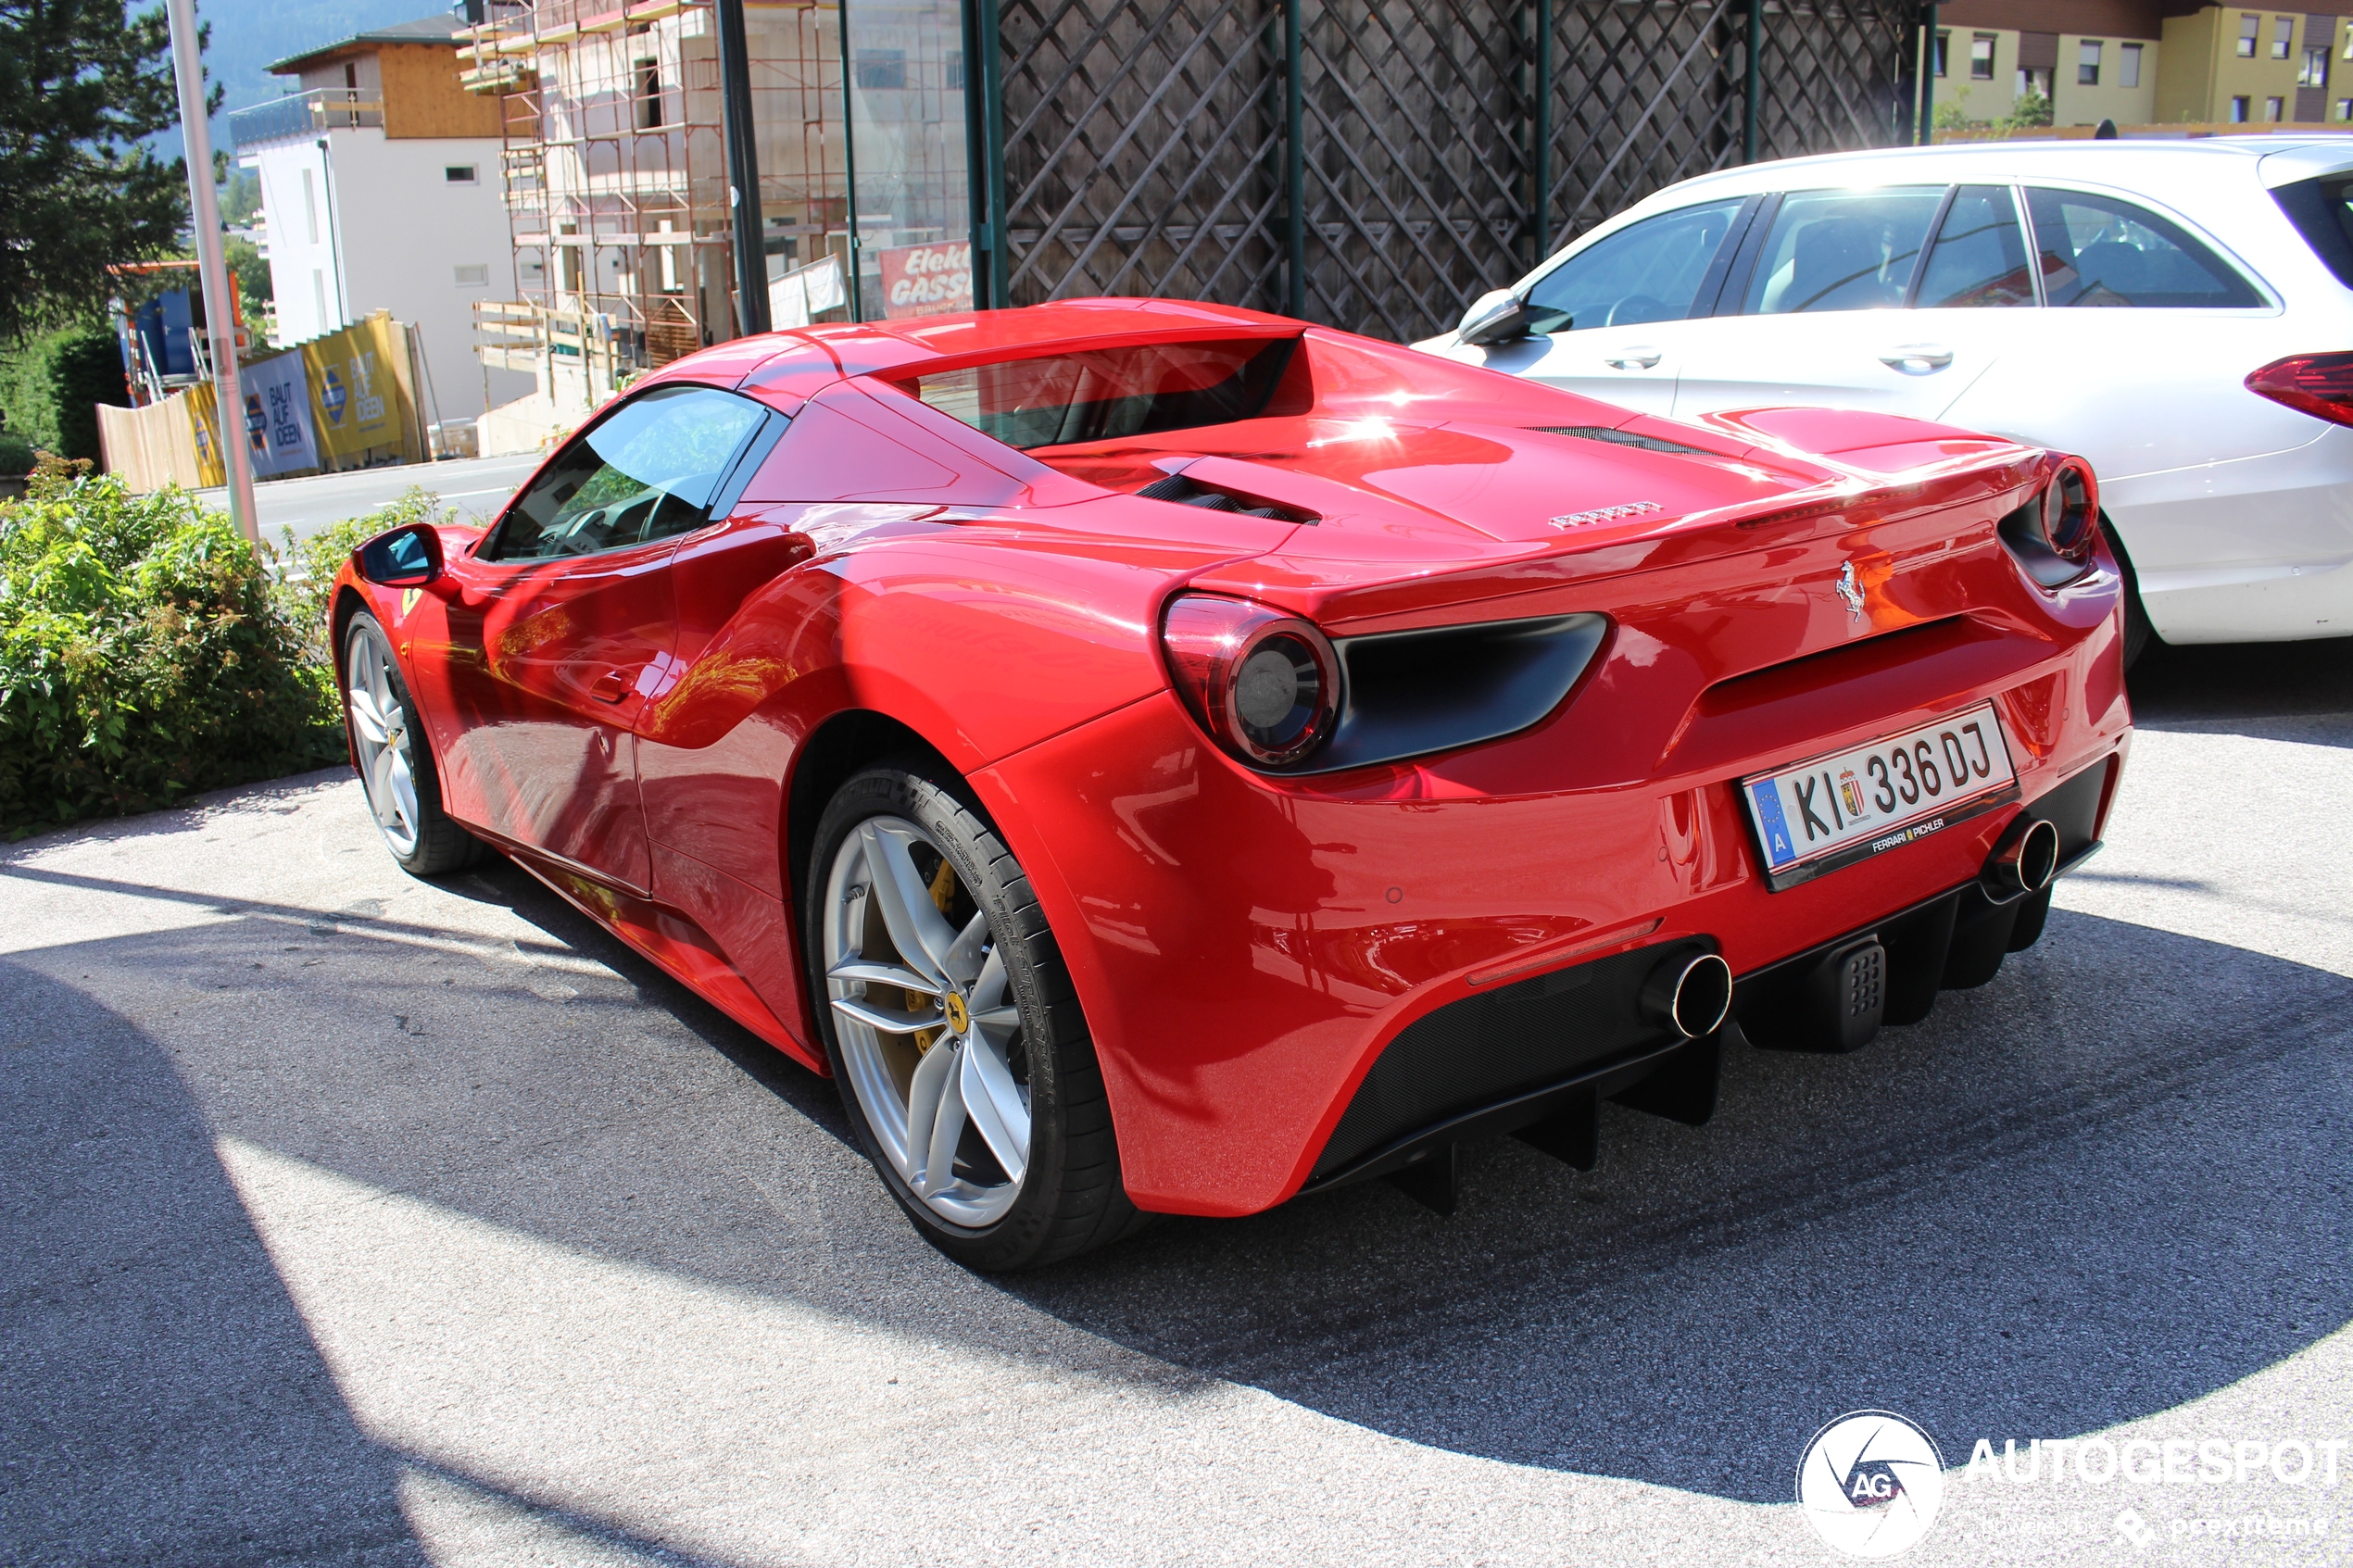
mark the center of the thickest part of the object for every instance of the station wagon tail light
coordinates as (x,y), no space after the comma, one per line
(2318,384)
(1265,684)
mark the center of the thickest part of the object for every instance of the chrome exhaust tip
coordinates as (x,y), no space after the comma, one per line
(2024,861)
(1690,995)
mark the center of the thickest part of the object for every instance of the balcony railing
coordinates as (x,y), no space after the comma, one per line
(304,114)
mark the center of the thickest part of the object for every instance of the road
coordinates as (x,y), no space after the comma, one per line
(479,485)
(348,1219)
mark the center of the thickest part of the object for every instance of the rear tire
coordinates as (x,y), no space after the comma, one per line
(953,1029)
(396,760)
(2138,632)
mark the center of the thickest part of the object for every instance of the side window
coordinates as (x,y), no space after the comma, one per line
(1649,272)
(1842,250)
(2102,251)
(1980,255)
(646,470)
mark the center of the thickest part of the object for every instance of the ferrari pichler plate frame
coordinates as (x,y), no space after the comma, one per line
(1858,775)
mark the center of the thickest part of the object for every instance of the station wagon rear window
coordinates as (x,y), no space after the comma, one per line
(1109,394)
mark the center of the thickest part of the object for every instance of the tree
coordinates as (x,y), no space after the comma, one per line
(80,84)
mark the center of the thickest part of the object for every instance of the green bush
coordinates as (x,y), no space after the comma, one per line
(308,565)
(16,457)
(51,383)
(145,651)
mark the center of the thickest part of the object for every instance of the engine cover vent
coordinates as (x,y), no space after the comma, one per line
(1176,487)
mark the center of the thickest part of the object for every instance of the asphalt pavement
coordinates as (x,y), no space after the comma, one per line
(478,486)
(350,1219)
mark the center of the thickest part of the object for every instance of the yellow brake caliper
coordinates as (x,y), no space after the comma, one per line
(943,890)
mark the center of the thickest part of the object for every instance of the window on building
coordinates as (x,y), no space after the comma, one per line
(2238,111)
(2271,107)
(1941,61)
(309,208)
(952,67)
(1842,250)
(2282,36)
(2345,108)
(1980,58)
(2087,63)
(2250,29)
(2128,73)
(882,69)
(318,296)
(461,174)
(2316,69)
(476,276)
(649,96)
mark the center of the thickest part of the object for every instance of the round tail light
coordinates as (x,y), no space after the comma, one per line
(1265,684)
(2072,511)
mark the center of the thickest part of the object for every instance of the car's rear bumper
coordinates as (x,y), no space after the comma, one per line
(1247,949)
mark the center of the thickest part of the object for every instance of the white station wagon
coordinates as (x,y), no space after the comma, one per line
(2178,312)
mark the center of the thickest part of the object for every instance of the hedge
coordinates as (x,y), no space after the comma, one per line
(146,652)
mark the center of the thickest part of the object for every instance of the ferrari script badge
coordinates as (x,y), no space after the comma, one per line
(1851,590)
(1605,514)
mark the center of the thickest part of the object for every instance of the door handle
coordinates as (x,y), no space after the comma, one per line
(610,686)
(1638,358)
(1916,358)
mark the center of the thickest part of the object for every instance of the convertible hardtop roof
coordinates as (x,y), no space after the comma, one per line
(800,358)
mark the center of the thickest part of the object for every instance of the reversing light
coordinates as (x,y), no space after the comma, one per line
(2318,384)
(1265,684)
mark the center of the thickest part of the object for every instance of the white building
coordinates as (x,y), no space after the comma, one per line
(380,183)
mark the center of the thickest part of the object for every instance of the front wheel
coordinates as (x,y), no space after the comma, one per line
(955,1030)
(396,763)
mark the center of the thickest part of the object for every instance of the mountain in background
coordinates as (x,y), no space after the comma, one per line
(248,34)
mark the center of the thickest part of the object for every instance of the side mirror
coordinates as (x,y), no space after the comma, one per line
(406,557)
(1497,317)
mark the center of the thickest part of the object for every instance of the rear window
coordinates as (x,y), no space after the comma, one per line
(1109,393)
(2102,251)
(2323,212)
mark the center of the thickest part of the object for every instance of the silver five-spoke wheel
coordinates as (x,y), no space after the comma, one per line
(924,1014)
(380,735)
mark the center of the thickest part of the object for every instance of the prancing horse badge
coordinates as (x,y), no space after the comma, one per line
(1851,590)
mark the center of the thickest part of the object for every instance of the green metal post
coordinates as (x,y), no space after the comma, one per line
(1294,168)
(850,163)
(1926,131)
(992,136)
(1543,159)
(1749,83)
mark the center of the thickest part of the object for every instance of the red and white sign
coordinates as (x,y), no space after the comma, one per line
(929,279)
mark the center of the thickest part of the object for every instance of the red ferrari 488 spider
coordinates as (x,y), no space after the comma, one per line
(1166,758)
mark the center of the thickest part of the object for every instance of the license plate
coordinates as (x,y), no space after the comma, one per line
(1818,816)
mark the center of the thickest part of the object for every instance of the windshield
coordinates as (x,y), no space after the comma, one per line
(1108,394)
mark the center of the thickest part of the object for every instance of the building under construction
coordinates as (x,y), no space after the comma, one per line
(1376,164)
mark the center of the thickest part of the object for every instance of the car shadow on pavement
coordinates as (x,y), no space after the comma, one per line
(163,1401)
(2112,1181)
(2276,691)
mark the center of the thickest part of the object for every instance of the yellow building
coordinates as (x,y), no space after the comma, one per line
(2145,64)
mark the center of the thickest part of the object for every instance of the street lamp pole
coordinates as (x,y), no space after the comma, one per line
(220,310)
